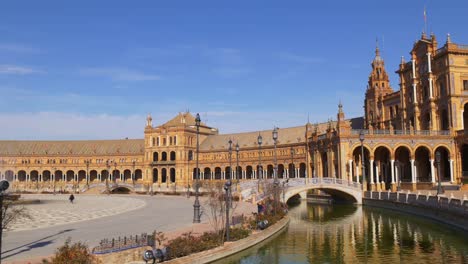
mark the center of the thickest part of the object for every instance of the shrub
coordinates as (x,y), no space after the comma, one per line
(238,233)
(188,244)
(76,253)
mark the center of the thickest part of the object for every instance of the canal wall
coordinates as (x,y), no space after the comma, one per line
(232,248)
(451,211)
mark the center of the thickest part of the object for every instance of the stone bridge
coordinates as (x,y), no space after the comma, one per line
(341,188)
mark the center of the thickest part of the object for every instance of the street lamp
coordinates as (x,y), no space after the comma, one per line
(227,188)
(196,204)
(439,185)
(275,181)
(87,172)
(107,178)
(259,170)
(237,161)
(361,138)
(230,170)
(133,175)
(292,163)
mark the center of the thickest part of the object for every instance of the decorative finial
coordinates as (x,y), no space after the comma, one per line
(402,61)
(449,40)
(149,120)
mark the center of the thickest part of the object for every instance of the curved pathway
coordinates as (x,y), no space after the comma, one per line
(110,216)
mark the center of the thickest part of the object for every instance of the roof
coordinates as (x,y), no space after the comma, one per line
(182,119)
(78,147)
(288,135)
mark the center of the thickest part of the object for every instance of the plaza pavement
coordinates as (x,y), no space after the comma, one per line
(95,217)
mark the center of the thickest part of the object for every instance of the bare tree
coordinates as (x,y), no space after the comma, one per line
(12,212)
(215,205)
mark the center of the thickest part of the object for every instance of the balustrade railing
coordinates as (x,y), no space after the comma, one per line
(402,132)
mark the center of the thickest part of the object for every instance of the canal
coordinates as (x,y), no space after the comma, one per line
(355,234)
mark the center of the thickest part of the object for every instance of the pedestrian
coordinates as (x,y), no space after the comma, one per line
(71,198)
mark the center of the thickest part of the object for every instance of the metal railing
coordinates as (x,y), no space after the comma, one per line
(402,132)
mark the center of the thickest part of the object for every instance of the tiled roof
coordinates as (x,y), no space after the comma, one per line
(84,147)
(288,135)
(182,119)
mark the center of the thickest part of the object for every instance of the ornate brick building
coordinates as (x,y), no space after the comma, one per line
(403,130)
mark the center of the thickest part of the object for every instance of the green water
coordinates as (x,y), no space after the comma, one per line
(355,234)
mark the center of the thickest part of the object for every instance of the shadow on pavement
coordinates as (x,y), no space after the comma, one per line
(32,245)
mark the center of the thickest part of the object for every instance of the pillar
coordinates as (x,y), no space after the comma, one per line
(431,161)
(371,171)
(452,180)
(350,178)
(392,170)
(413,171)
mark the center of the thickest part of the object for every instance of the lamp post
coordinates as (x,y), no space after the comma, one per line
(230,171)
(237,161)
(259,171)
(87,172)
(196,204)
(227,188)
(115,170)
(190,158)
(292,163)
(275,181)
(55,171)
(439,185)
(133,175)
(107,178)
(361,138)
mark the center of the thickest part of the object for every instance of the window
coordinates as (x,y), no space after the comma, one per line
(443,91)
(465,85)
(158,141)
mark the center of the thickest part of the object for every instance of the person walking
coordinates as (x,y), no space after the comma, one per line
(71,198)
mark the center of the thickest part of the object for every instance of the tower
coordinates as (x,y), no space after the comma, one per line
(378,86)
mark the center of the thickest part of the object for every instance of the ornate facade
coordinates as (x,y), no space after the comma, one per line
(403,132)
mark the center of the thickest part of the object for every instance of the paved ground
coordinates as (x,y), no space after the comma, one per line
(93,218)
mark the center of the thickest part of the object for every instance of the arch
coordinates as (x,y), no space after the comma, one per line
(127,175)
(338,192)
(163,175)
(58,175)
(382,170)
(115,175)
(22,176)
(238,173)
(155,175)
(121,190)
(444,164)
(93,175)
(155,156)
(403,164)
(138,175)
(9,175)
(324,164)
(218,173)
(227,172)
(46,175)
(163,156)
(104,175)
(302,170)
(270,172)
(194,173)
(34,176)
(81,175)
(249,172)
(281,171)
(172,175)
(357,170)
(465,116)
(292,172)
(422,156)
(70,175)
(207,173)
(173,155)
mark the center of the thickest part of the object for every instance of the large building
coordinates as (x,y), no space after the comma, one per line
(401,135)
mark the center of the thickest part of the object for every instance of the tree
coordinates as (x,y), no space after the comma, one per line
(12,212)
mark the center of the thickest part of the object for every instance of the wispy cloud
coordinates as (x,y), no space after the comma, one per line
(18,70)
(120,74)
(17,48)
(299,58)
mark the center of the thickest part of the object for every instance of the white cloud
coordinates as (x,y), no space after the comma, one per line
(120,74)
(299,58)
(18,70)
(17,48)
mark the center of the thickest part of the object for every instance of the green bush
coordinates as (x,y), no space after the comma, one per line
(188,244)
(76,253)
(238,233)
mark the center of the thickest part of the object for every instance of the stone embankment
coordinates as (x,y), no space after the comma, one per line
(449,210)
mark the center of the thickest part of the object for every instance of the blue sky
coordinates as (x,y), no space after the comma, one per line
(94,69)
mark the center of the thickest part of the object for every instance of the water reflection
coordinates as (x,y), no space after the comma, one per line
(352,234)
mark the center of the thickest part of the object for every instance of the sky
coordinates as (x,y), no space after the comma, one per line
(96,69)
